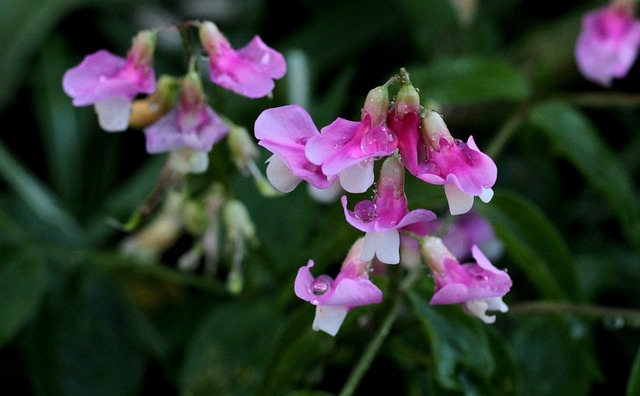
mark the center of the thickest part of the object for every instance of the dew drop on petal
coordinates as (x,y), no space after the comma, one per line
(378,140)
(320,286)
(365,211)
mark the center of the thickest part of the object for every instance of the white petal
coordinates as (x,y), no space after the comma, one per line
(478,308)
(459,201)
(368,247)
(486,195)
(388,247)
(329,318)
(357,178)
(280,175)
(113,113)
(325,195)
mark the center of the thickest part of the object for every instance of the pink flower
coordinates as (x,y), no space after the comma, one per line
(477,286)
(461,167)
(348,148)
(249,71)
(608,43)
(285,132)
(471,229)
(192,123)
(335,298)
(110,82)
(404,119)
(386,214)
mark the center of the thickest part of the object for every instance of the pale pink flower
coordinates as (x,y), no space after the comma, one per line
(607,46)
(461,167)
(478,286)
(285,132)
(192,123)
(387,213)
(348,148)
(249,71)
(334,298)
(110,82)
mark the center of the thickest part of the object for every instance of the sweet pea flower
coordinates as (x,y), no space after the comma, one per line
(285,131)
(334,298)
(348,148)
(461,167)
(608,43)
(478,286)
(386,214)
(192,123)
(110,82)
(404,119)
(250,71)
(471,229)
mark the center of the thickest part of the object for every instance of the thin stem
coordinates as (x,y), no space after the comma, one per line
(374,346)
(591,311)
(506,132)
(599,99)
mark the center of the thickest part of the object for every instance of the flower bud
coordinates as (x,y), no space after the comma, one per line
(376,105)
(407,101)
(434,252)
(148,110)
(141,52)
(434,129)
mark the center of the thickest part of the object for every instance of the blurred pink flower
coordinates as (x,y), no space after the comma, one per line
(192,123)
(608,43)
(110,82)
(334,298)
(249,71)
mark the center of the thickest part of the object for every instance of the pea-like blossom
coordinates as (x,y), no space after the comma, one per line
(285,131)
(467,230)
(334,298)
(461,167)
(607,46)
(191,123)
(478,287)
(249,71)
(110,82)
(383,217)
(348,149)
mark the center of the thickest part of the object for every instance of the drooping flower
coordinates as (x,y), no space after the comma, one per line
(404,120)
(348,148)
(285,131)
(387,213)
(608,43)
(334,298)
(461,167)
(249,71)
(478,286)
(110,82)
(192,123)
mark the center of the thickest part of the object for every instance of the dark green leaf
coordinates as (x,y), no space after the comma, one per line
(633,386)
(226,353)
(575,138)
(534,244)
(469,80)
(86,341)
(22,284)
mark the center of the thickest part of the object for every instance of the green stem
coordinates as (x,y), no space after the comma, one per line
(374,346)
(599,99)
(587,310)
(506,132)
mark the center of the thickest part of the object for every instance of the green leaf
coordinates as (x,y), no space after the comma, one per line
(459,344)
(633,386)
(469,80)
(550,360)
(86,340)
(225,355)
(534,244)
(574,137)
(23,278)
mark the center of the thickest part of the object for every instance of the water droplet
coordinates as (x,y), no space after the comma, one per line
(365,211)
(339,143)
(314,301)
(613,322)
(320,285)
(377,140)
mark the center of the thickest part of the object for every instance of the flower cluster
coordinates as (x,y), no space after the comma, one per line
(174,113)
(608,44)
(404,136)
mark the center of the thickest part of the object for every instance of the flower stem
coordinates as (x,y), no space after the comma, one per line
(506,132)
(587,310)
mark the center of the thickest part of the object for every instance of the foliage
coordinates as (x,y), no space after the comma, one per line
(79,316)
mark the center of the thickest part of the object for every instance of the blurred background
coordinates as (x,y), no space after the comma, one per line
(88,307)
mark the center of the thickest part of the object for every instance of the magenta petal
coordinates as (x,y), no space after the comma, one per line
(303,281)
(355,292)
(265,59)
(416,216)
(335,148)
(355,221)
(451,294)
(483,261)
(93,79)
